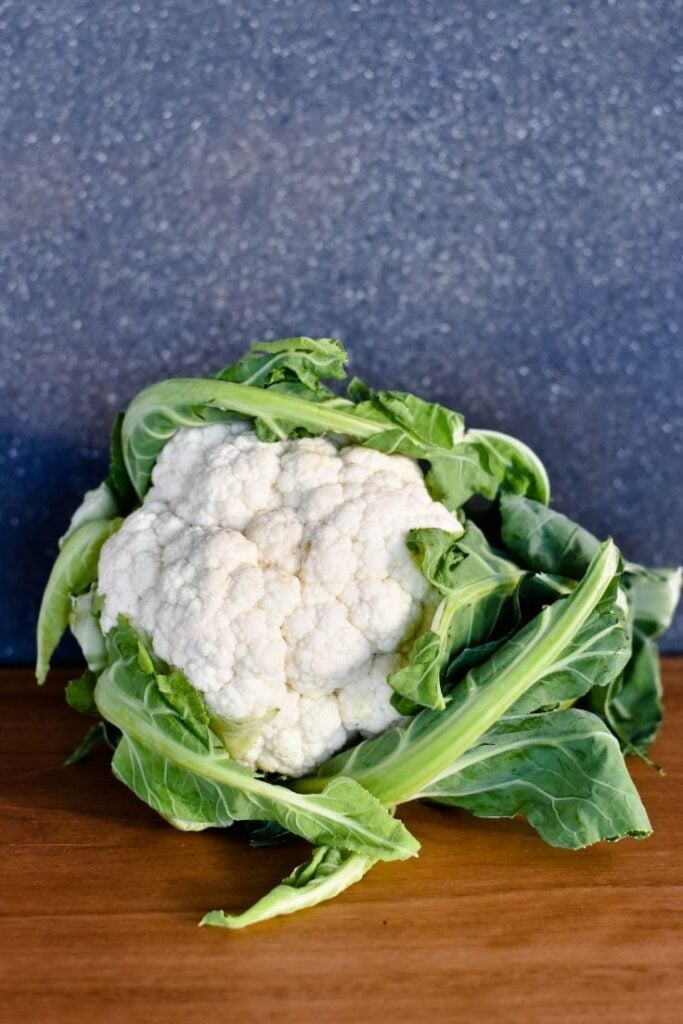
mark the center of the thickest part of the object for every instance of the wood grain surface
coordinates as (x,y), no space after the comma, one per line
(101,900)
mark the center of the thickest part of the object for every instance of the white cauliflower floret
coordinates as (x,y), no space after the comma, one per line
(276,577)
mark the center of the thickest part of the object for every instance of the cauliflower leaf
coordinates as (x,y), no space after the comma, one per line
(328,873)
(74,570)
(405,759)
(548,541)
(476,585)
(278,386)
(188,777)
(561,770)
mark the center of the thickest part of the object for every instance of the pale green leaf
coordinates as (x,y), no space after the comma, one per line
(74,570)
(326,875)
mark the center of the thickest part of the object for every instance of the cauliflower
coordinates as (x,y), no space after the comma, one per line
(250,600)
(276,577)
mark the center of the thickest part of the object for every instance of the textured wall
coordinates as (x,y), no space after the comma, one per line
(483,200)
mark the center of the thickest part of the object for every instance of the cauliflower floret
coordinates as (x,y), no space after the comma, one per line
(276,576)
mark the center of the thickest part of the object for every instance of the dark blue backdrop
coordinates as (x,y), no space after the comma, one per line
(482,199)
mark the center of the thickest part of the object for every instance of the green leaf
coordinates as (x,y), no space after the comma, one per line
(80,693)
(439,555)
(173,684)
(154,416)
(593,658)
(276,386)
(182,696)
(99,503)
(545,540)
(267,833)
(192,781)
(418,684)
(98,734)
(305,360)
(517,468)
(632,704)
(486,463)
(406,759)
(535,591)
(471,657)
(636,700)
(416,424)
(562,770)
(185,799)
(653,595)
(74,570)
(145,662)
(327,874)
(118,481)
(84,623)
(548,541)
(293,366)
(408,425)
(476,585)
(461,464)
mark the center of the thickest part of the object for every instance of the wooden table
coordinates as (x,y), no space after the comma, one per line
(101,900)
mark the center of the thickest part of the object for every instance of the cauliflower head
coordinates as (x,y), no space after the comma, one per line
(276,577)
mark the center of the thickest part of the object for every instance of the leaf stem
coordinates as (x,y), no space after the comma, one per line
(246,400)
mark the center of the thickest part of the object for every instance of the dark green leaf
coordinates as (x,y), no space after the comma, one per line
(268,833)
(98,734)
(632,704)
(545,540)
(471,657)
(548,541)
(563,771)
(119,481)
(80,693)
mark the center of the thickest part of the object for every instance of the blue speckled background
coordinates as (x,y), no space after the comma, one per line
(483,200)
